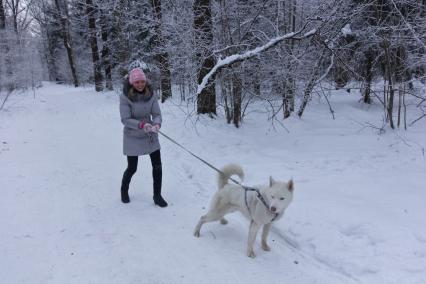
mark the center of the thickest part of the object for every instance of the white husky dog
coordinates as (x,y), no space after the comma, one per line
(262,205)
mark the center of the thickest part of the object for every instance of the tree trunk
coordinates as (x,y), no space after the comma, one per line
(162,57)
(2,16)
(50,51)
(106,62)
(368,77)
(256,78)
(399,105)
(225,91)
(14,7)
(237,98)
(2,30)
(390,84)
(206,101)
(90,11)
(121,52)
(390,104)
(5,48)
(311,84)
(405,109)
(67,39)
(289,85)
(289,94)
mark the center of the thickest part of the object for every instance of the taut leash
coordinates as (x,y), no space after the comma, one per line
(202,160)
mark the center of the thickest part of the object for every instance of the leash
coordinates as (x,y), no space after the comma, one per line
(202,160)
(246,188)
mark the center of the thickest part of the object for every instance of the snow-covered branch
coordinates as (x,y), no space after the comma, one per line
(248,54)
(408,25)
(328,69)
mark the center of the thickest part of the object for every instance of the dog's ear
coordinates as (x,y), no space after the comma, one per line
(290,185)
(271,181)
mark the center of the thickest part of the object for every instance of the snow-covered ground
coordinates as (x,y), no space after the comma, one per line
(358,214)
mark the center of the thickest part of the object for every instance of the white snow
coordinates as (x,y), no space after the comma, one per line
(346,30)
(357,216)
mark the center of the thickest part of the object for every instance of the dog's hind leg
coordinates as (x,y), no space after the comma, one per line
(265,233)
(217,210)
(198,227)
(209,217)
(254,228)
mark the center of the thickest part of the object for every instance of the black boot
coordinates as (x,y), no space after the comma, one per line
(132,165)
(158,200)
(125,196)
(157,175)
(127,176)
(125,189)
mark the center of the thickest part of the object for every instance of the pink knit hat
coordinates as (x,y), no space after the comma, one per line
(136,75)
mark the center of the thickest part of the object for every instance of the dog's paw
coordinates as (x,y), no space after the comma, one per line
(197,234)
(223,221)
(251,254)
(265,247)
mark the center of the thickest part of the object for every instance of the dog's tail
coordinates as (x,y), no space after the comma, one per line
(227,172)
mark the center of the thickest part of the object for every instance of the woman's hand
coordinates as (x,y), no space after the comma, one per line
(147,127)
(155,128)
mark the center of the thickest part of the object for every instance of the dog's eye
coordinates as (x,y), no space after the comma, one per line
(282,198)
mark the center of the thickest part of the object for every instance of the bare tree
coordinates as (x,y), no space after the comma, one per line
(2,16)
(316,72)
(289,82)
(206,98)
(46,18)
(15,10)
(106,61)
(90,10)
(3,46)
(162,56)
(121,43)
(62,11)
(231,84)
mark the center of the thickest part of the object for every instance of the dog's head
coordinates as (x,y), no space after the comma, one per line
(279,194)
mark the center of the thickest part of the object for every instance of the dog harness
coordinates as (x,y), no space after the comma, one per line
(258,195)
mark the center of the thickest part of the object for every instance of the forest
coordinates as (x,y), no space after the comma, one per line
(217,54)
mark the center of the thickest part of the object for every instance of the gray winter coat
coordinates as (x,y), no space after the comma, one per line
(134,110)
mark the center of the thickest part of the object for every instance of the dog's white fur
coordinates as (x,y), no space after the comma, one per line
(230,198)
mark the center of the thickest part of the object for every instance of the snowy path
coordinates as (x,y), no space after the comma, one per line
(357,215)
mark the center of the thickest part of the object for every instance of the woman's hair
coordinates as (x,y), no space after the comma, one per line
(132,95)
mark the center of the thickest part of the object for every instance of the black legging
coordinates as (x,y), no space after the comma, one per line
(132,166)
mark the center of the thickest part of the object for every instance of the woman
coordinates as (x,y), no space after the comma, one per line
(140,113)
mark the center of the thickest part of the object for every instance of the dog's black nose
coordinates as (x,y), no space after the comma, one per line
(273,209)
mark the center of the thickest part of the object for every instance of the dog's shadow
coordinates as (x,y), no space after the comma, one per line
(232,234)
(234,231)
